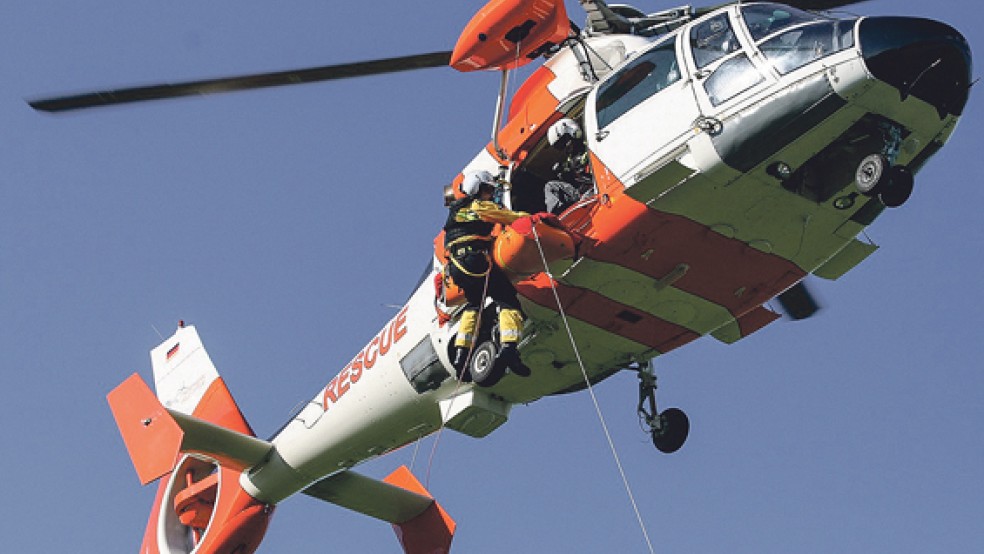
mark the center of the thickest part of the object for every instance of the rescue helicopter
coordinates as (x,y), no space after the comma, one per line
(731,152)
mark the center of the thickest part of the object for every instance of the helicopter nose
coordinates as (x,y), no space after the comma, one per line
(920,57)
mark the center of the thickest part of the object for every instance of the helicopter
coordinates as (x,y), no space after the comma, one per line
(782,144)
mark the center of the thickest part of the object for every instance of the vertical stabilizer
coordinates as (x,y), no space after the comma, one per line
(186,381)
(431,531)
(191,433)
(183,372)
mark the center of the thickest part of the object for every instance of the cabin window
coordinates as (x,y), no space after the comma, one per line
(712,40)
(642,78)
(731,78)
(423,368)
(767,19)
(797,47)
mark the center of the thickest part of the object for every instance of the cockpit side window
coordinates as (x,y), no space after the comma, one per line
(766,19)
(731,78)
(642,78)
(797,47)
(713,40)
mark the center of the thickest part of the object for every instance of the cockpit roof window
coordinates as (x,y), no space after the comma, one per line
(766,19)
(712,40)
(799,46)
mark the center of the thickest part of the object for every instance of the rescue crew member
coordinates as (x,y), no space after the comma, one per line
(468,241)
(574,181)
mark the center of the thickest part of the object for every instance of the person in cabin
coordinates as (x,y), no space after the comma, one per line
(574,180)
(468,241)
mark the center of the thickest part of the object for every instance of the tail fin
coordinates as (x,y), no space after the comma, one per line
(429,532)
(156,436)
(193,430)
(186,381)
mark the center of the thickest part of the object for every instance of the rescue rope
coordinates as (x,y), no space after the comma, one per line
(457,386)
(594,398)
(416,448)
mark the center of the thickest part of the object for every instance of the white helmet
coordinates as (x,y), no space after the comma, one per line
(474,180)
(563,131)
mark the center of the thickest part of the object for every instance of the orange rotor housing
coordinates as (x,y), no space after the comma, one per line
(506,34)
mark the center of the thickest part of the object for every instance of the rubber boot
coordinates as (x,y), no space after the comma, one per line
(509,357)
(458,362)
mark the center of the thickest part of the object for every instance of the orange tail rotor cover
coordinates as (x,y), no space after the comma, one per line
(506,34)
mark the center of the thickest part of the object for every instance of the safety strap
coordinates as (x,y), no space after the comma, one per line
(461,268)
(468,238)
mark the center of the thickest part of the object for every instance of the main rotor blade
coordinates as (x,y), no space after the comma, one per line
(820,4)
(242,82)
(816,5)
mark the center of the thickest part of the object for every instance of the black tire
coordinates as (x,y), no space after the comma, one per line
(899,187)
(482,367)
(673,431)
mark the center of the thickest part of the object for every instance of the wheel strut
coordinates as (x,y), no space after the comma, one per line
(668,429)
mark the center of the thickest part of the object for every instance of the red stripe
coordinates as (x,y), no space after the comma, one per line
(755,320)
(173,350)
(607,314)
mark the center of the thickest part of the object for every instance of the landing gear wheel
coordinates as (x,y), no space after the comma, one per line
(674,426)
(899,187)
(868,176)
(482,366)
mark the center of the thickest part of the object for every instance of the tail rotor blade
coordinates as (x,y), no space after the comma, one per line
(798,302)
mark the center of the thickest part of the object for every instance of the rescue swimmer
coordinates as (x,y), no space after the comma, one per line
(468,242)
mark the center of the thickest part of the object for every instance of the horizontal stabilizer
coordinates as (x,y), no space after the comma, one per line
(369,496)
(421,524)
(155,435)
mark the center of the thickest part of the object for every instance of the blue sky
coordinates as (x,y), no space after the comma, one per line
(284,223)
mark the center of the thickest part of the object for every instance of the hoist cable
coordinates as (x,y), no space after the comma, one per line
(594,398)
(457,386)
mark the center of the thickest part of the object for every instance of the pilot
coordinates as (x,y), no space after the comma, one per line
(468,241)
(574,181)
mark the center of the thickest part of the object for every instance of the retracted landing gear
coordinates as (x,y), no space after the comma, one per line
(669,428)
(891,184)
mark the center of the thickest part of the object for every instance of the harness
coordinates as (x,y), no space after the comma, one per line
(466,245)
(465,235)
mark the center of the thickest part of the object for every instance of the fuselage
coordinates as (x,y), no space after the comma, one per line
(724,154)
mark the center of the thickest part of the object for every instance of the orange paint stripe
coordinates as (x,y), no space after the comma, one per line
(218,406)
(430,532)
(755,320)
